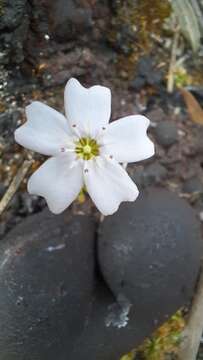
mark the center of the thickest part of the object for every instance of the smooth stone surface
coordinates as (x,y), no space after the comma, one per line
(166,133)
(111,330)
(149,253)
(46,284)
(54,305)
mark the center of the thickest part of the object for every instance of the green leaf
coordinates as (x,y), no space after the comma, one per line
(188,22)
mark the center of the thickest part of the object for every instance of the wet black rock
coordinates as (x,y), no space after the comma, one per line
(192,185)
(166,133)
(149,254)
(46,284)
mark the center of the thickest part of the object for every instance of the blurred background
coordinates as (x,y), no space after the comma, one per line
(150,53)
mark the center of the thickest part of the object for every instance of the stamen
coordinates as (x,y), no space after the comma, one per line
(76,130)
(87,148)
(63,150)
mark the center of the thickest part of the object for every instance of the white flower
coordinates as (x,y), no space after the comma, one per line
(84,148)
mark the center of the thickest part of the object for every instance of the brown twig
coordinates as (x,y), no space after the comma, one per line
(170,82)
(13,187)
(193,330)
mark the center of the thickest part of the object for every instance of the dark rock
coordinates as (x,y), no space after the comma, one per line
(149,254)
(8,123)
(12,13)
(156,114)
(2,228)
(144,252)
(192,185)
(152,174)
(14,204)
(13,30)
(109,333)
(166,133)
(155,78)
(2,189)
(146,74)
(30,204)
(137,176)
(138,83)
(123,36)
(145,66)
(46,284)
(54,305)
(70,20)
(198,143)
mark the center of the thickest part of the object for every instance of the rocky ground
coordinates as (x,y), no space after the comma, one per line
(94,43)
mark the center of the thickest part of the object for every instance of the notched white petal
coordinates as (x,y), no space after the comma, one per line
(108,184)
(127,140)
(59,180)
(46,130)
(88,109)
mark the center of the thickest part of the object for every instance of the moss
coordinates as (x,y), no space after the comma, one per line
(181,77)
(134,26)
(164,341)
(2,4)
(129,356)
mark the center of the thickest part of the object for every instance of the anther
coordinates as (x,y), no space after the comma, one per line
(63,149)
(103,128)
(111,156)
(86,170)
(74,125)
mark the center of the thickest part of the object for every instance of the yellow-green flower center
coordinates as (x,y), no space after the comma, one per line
(87,148)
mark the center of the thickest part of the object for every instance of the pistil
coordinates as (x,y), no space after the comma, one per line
(87,148)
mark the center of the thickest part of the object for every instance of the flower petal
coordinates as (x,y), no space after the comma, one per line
(126,139)
(108,184)
(59,180)
(88,109)
(45,131)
